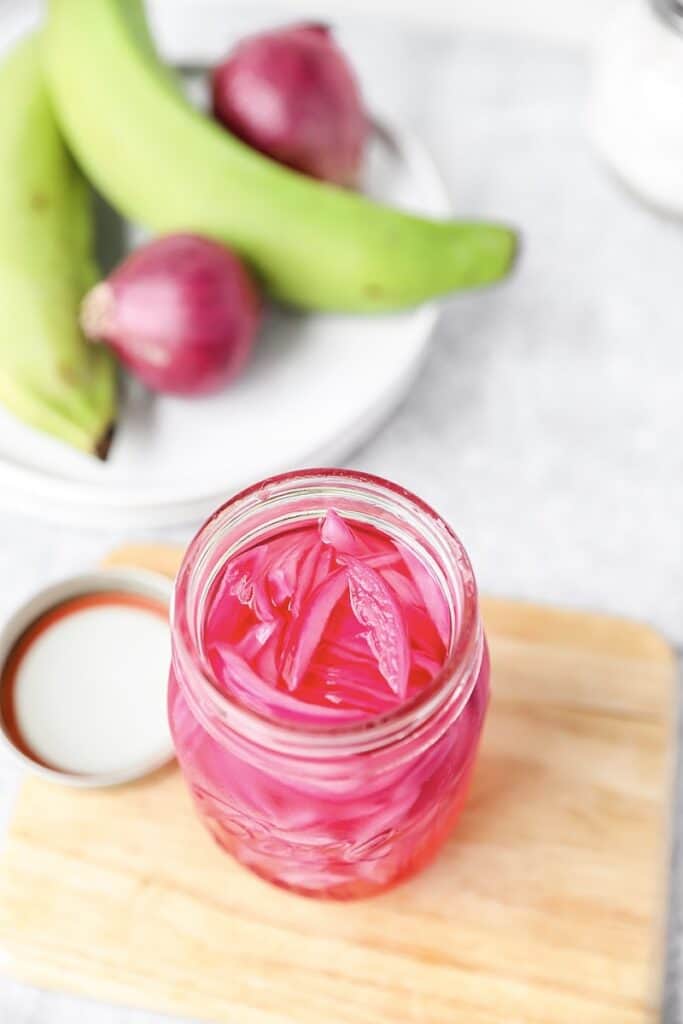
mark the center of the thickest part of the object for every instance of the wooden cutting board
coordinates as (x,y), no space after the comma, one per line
(544,908)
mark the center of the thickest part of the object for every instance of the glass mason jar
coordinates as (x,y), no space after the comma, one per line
(341,811)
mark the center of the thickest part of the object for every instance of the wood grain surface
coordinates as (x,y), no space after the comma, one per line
(544,908)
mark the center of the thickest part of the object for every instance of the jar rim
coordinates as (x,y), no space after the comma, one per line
(452,684)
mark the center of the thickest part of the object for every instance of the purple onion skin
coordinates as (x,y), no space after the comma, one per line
(291,94)
(181,313)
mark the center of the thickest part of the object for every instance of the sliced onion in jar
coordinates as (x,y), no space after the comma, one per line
(431,593)
(309,627)
(375,606)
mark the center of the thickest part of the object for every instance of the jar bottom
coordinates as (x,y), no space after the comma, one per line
(351,885)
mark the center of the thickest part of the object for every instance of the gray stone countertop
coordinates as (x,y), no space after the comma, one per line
(547,423)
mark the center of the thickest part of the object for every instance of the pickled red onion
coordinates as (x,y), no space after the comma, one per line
(375,606)
(310,626)
(333,615)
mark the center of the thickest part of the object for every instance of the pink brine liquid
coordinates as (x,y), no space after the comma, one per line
(330,625)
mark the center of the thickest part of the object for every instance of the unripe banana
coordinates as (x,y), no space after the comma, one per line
(168,166)
(50,376)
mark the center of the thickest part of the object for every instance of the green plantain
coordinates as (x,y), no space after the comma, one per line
(165,164)
(50,376)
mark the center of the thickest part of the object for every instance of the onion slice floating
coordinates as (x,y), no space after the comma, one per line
(430,593)
(256,693)
(308,628)
(375,606)
(335,532)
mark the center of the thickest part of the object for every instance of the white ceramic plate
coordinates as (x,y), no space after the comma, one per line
(317,386)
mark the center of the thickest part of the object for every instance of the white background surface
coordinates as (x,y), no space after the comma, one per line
(575,22)
(547,424)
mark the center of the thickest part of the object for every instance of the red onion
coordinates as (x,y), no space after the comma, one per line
(291,94)
(180,312)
